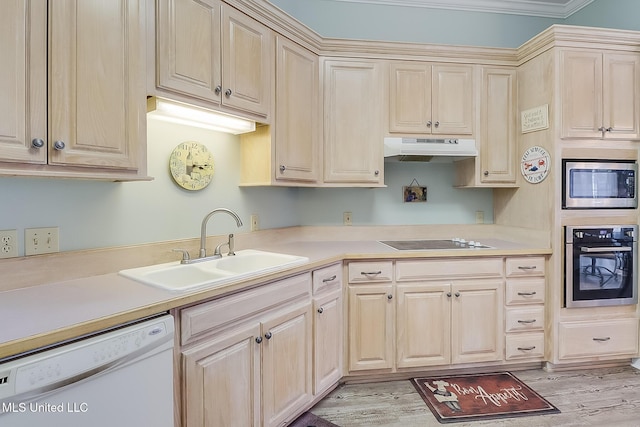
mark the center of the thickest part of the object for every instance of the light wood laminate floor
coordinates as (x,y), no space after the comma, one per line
(596,397)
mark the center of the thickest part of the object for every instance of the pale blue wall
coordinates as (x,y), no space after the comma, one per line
(100,214)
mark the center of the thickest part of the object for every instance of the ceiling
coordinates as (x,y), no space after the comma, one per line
(544,8)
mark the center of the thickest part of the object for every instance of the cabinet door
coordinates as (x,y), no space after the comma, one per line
(410,97)
(296,131)
(452,100)
(286,364)
(423,324)
(352,122)
(621,95)
(498,119)
(97,95)
(23,81)
(327,351)
(221,381)
(581,85)
(247,61)
(188,47)
(476,321)
(371,313)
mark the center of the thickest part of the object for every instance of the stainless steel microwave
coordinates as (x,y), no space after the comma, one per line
(596,184)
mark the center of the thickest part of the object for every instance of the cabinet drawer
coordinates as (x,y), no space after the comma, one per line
(448,268)
(524,266)
(605,337)
(377,271)
(199,320)
(524,346)
(525,291)
(524,319)
(327,278)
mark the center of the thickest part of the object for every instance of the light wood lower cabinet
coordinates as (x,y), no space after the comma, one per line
(253,364)
(588,339)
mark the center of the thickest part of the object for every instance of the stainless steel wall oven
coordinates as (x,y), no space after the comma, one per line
(601,265)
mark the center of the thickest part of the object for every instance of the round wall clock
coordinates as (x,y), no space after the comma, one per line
(191,165)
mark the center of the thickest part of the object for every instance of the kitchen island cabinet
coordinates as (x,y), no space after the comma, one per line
(57,120)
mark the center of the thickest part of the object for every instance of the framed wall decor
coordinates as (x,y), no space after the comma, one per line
(414,192)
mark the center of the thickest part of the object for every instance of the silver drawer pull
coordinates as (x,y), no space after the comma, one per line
(607,249)
(602,339)
(526,294)
(527,267)
(371,273)
(329,279)
(527,348)
(527,321)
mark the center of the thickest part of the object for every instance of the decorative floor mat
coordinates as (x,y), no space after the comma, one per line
(478,397)
(309,420)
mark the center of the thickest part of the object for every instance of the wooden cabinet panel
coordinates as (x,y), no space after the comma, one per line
(524,266)
(525,291)
(524,346)
(286,364)
(328,344)
(221,380)
(353,146)
(615,337)
(600,94)
(427,98)
(370,271)
(23,81)
(476,321)
(524,319)
(423,325)
(448,268)
(371,325)
(297,149)
(498,126)
(327,279)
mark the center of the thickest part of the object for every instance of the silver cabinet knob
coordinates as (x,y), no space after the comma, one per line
(449,294)
(321,310)
(436,124)
(486,173)
(258,340)
(457,294)
(609,129)
(268,335)
(429,124)
(218,89)
(282,168)
(37,143)
(376,173)
(389,296)
(228,93)
(59,145)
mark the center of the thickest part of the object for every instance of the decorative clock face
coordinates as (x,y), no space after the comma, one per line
(191,165)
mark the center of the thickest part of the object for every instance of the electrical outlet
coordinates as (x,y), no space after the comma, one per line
(8,243)
(479,217)
(347,218)
(255,222)
(41,240)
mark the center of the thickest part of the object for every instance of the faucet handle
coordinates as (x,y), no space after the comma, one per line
(185,255)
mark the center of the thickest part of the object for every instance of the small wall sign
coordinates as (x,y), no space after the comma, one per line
(535,119)
(414,192)
(535,164)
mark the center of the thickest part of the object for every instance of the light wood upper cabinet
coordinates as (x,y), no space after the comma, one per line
(212,52)
(23,81)
(353,95)
(600,95)
(297,113)
(498,126)
(93,101)
(431,99)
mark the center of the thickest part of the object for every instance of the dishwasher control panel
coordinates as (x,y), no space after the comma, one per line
(74,361)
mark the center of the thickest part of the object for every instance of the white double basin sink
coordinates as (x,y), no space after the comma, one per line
(248,263)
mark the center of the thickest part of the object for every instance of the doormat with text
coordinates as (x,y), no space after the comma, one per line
(478,397)
(310,420)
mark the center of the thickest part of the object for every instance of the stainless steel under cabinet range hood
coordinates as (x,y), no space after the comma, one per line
(428,150)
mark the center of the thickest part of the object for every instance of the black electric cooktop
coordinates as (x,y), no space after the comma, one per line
(421,245)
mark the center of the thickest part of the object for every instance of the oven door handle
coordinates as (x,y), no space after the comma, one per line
(608,249)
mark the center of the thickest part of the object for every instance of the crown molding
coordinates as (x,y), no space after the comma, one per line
(560,9)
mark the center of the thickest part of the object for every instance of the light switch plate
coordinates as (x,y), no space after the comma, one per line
(43,240)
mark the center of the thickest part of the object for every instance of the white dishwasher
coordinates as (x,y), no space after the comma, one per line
(119,377)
